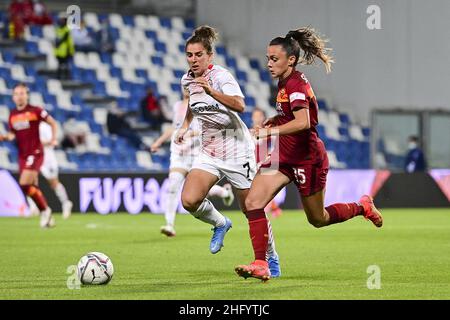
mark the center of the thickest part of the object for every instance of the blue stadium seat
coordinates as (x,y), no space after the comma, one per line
(221,50)
(366,132)
(158,61)
(32,47)
(250,101)
(254,63)
(189,23)
(160,47)
(150,34)
(128,20)
(343,132)
(231,62)
(178,73)
(176,87)
(36,31)
(106,58)
(241,76)
(322,104)
(186,35)
(265,76)
(165,22)
(344,118)
(116,72)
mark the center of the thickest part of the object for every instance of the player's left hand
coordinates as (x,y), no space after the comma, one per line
(202,82)
(260,133)
(54,143)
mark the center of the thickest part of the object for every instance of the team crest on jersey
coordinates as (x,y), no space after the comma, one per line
(282,96)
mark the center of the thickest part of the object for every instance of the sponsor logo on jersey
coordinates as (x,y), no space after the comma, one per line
(200,107)
(22,121)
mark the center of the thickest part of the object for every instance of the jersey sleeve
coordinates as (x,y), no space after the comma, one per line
(229,85)
(297,94)
(42,114)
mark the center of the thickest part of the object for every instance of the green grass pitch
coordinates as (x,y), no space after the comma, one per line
(412,252)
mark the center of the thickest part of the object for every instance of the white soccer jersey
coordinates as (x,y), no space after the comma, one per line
(49,168)
(223,134)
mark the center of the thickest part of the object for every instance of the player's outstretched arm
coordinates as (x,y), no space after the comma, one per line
(163,138)
(179,137)
(51,121)
(300,123)
(7,137)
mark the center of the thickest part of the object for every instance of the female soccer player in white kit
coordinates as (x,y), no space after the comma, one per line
(50,171)
(181,159)
(227,148)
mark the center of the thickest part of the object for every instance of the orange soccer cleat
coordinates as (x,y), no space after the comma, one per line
(258,269)
(370,211)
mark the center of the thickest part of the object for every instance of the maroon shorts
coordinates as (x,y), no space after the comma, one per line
(31,162)
(309,178)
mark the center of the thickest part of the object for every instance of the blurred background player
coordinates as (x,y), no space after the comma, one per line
(263,149)
(24,123)
(300,153)
(181,159)
(226,146)
(50,171)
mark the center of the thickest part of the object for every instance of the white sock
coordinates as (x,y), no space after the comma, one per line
(33,207)
(218,191)
(207,213)
(61,193)
(175,181)
(271,242)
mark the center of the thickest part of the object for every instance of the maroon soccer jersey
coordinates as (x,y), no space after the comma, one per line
(25,125)
(305,147)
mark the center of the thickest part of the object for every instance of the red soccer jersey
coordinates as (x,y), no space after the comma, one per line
(25,125)
(305,147)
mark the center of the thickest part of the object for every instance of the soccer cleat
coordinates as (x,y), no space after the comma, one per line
(258,269)
(168,230)
(370,211)
(47,220)
(228,200)
(67,209)
(274,266)
(218,236)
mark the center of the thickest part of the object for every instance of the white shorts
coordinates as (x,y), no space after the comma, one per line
(49,168)
(182,162)
(239,173)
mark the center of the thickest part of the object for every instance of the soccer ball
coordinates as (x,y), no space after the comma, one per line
(95,268)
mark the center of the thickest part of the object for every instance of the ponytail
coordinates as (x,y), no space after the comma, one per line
(312,46)
(205,35)
(305,39)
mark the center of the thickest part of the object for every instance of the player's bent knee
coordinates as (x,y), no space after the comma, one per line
(318,223)
(253,203)
(190,204)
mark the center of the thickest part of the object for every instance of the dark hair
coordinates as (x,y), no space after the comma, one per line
(205,35)
(414,138)
(309,41)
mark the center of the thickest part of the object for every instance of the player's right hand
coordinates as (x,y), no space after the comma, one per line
(179,137)
(270,122)
(2,137)
(155,147)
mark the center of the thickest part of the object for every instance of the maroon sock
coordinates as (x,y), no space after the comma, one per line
(340,212)
(259,232)
(36,194)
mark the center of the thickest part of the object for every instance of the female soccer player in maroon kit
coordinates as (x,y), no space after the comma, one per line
(24,127)
(300,155)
